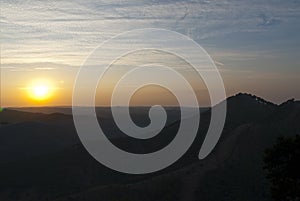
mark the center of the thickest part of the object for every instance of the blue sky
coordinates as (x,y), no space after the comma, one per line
(255,44)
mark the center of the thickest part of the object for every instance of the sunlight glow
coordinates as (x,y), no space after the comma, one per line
(40,90)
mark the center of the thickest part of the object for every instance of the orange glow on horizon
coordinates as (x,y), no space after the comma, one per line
(40,90)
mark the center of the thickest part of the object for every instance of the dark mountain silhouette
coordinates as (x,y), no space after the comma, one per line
(35,139)
(49,163)
(14,116)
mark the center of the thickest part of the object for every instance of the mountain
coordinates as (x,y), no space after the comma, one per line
(233,171)
(25,135)
(9,116)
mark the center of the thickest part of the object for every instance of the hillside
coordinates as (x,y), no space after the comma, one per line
(233,171)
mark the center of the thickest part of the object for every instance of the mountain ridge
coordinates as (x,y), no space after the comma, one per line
(233,171)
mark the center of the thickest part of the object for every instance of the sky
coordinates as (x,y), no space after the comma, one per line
(254,44)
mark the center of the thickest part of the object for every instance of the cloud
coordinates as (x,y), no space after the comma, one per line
(65,32)
(218,63)
(37,66)
(44,68)
(268,21)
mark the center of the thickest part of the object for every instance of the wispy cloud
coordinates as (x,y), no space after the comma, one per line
(66,31)
(240,35)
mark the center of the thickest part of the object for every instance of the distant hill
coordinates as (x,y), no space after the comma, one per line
(233,171)
(10,116)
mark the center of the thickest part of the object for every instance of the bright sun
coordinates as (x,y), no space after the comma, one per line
(40,90)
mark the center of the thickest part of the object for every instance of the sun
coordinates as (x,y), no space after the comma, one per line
(40,90)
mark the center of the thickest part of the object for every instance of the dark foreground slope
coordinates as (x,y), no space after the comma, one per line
(233,171)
